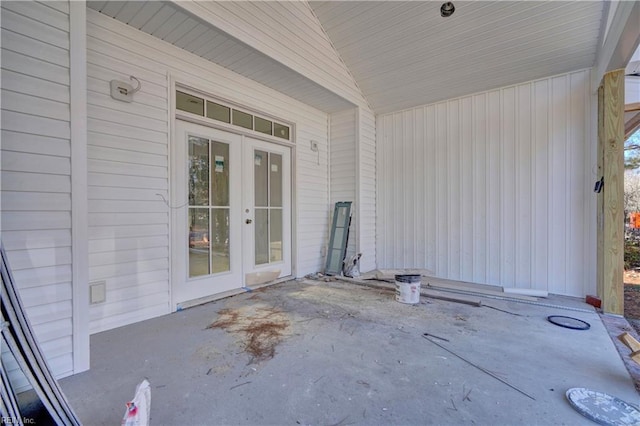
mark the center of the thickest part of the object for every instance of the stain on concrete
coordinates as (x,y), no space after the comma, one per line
(260,327)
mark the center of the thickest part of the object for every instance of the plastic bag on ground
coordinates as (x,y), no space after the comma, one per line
(351,267)
(139,408)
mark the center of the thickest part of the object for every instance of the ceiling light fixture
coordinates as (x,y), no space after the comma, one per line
(447,9)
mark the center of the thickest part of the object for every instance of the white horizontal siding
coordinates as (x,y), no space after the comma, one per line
(128,166)
(36,171)
(343,173)
(492,188)
(312,192)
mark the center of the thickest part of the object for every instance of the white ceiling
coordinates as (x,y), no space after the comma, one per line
(401,54)
(404,54)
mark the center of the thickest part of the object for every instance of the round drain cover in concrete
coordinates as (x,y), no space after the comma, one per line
(602,408)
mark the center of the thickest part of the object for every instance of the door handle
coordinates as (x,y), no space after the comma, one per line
(248,221)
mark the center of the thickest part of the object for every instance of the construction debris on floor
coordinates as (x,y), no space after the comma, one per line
(630,342)
(316,352)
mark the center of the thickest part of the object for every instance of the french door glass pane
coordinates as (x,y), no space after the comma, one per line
(261,178)
(275,180)
(208,211)
(268,182)
(219,174)
(275,235)
(198,171)
(262,236)
(199,242)
(220,260)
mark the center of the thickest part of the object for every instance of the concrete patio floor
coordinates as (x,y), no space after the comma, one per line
(345,354)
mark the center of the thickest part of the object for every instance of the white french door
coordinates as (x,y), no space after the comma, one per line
(231,211)
(267,210)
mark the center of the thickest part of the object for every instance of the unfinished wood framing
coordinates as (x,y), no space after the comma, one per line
(611,107)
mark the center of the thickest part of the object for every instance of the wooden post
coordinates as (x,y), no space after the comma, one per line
(613,200)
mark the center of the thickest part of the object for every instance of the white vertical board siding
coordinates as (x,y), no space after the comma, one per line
(36,170)
(342,176)
(493,188)
(128,166)
(367,189)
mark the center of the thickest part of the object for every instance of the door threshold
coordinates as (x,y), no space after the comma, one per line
(229,293)
(270,283)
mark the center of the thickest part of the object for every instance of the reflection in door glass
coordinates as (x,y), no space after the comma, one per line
(199,246)
(268,199)
(261,178)
(275,180)
(219,174)
(275,237)
(198,171)
(262,236)
(208,207)
(220,261)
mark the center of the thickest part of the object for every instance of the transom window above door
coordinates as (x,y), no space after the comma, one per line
(217,111)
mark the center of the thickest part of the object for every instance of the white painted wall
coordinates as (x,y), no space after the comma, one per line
(493,188)
(36,170)
(128,163)
(352,178)
(366,191)
(342,175)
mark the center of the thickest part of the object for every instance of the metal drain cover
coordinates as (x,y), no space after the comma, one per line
(602,408)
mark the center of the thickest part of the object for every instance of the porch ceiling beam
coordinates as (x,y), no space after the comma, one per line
(621,41)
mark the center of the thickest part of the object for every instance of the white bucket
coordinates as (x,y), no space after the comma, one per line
(408,289)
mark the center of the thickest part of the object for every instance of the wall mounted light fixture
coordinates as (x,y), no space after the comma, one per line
(122,91)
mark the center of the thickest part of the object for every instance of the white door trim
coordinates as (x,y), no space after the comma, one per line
(185,289)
